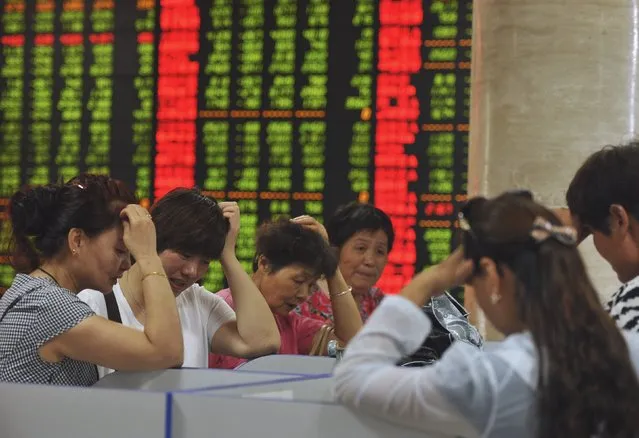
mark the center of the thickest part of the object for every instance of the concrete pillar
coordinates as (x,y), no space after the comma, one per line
(552,81)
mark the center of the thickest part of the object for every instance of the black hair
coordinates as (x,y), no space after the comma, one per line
(354,217)
(609,176)
(286,243)
(188,222)
(41,217)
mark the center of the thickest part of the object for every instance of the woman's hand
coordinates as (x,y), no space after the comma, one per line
(312,224)
(139,232)
(453,271)
(231,211)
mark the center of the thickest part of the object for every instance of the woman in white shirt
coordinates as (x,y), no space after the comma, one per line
(531,283)
(192,230)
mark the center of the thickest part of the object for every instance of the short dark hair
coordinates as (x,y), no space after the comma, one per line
(609,176)
(42,216)
(354,217)
(190,223)
(286,243)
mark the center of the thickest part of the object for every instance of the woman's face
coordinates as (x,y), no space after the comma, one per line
(101,260)
(183,270)
(287,288)
(362,259)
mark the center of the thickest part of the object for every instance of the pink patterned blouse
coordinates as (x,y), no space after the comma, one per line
(297,333)
(318,305)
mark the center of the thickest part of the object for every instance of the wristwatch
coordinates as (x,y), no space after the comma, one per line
(331,348)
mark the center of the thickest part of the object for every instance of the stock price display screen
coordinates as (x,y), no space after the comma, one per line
(287,106)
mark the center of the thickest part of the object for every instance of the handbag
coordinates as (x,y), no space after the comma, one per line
(449,324)
(320,343)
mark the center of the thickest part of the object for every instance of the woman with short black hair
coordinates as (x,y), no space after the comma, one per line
(192,230)
(291,256)
(363,236)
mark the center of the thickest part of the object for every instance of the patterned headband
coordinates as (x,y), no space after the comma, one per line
(542,230)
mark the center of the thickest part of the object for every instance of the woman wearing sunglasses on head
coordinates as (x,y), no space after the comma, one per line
(564,369)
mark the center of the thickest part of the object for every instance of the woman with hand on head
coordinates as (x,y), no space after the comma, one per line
(192,230)
(68,237)
(291,256)
(564,369)
(363,236)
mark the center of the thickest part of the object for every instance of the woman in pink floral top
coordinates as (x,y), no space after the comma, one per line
(364,236)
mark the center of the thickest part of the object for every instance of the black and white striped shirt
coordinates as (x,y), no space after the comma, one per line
(624,306)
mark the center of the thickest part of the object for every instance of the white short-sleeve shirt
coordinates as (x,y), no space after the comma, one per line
(201,313)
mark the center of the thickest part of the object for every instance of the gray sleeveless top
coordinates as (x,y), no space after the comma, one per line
(32,312)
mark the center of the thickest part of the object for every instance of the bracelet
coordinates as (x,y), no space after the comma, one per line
(350,289)
(158,273)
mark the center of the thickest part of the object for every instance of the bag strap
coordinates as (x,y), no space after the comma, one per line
(321,341)
(113,311)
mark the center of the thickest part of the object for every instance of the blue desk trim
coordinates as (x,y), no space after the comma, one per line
(300,378)
(168,416)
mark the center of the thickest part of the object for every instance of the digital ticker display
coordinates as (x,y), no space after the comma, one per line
(287,106)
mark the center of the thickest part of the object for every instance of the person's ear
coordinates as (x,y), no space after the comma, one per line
(76,240)
(263,264)
(619,220)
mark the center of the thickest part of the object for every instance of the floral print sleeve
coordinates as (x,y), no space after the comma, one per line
(370,303)
(318,305)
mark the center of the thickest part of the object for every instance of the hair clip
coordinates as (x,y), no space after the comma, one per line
(542,229)
(79,185)
(463,222)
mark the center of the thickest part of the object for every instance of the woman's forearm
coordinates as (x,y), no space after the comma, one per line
(162,326)
(255,322)
(346,316)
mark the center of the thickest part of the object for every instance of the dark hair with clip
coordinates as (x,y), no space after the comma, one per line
(354,217)
(41,217)
(588,386)
(285,243)
(188,222)
(607,177)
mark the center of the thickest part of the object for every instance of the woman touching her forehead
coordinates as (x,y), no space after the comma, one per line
(193,230)
(69,237)
(564,369)
(291,256)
